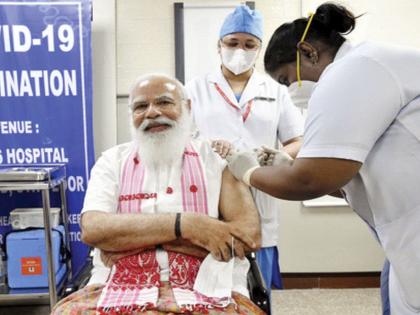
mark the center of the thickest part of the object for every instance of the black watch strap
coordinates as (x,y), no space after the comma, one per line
(178,225)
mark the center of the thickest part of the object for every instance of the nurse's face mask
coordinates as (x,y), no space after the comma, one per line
(300,95)
(239,52)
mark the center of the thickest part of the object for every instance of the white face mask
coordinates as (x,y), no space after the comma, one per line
(238,60)
(300,95)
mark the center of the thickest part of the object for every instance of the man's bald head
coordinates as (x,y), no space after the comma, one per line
(164,79)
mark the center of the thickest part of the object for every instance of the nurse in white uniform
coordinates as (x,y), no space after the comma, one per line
(248,109)
(362,135)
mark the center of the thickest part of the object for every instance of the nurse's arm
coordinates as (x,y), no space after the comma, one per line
(292,146)
(305,178)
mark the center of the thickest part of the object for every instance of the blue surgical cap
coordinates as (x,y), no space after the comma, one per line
(243,20)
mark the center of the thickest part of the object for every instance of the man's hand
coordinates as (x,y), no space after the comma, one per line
(272,157)
(242,164)
(240,248)
(214,235)
(221,147)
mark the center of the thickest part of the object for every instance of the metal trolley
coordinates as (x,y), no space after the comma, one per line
(44,179)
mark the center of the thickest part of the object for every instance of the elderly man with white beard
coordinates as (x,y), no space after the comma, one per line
(166,218)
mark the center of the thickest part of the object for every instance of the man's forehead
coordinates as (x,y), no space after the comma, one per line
(137,97)
(156,87)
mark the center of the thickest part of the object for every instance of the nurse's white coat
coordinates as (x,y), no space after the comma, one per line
(366,108)
(271,117)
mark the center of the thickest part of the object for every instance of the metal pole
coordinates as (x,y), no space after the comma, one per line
(48,244)
(65,215)
(179,41)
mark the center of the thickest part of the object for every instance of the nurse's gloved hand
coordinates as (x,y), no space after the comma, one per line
(273,157)
(221,147)
(262,156)
(242,164)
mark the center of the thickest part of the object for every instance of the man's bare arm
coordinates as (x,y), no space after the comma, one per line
(292,146)
(237,207)
(125,232)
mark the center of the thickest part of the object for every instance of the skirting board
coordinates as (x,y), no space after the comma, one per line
(331,280)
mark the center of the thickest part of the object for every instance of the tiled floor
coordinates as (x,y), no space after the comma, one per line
(286,302)
(327,302)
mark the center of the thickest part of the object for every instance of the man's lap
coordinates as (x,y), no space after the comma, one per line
(83,302)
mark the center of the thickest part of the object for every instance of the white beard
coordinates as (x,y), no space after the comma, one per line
(162,149)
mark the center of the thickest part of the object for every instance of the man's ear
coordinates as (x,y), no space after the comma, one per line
(308,51)
(189,104)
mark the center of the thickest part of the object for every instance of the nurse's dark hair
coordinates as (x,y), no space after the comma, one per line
(329,23)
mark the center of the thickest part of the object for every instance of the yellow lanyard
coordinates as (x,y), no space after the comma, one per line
(311,16)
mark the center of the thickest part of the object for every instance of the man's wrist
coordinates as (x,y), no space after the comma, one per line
(247,176)
(189,223)
(184,226)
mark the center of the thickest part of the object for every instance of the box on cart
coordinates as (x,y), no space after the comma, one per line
(27,265)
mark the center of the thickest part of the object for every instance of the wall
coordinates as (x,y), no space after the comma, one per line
(146,28)
(383,20)
(329,239)
(104,75)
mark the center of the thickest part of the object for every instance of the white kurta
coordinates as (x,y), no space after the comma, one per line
(272,118)
(104,187)
(366,108)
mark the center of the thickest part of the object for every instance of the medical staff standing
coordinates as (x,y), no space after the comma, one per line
(247,109)
(362,135)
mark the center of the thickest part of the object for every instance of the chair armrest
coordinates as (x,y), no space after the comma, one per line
(258,292)
(81,279)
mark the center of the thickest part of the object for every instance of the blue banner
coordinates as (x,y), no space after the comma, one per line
(46,101)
